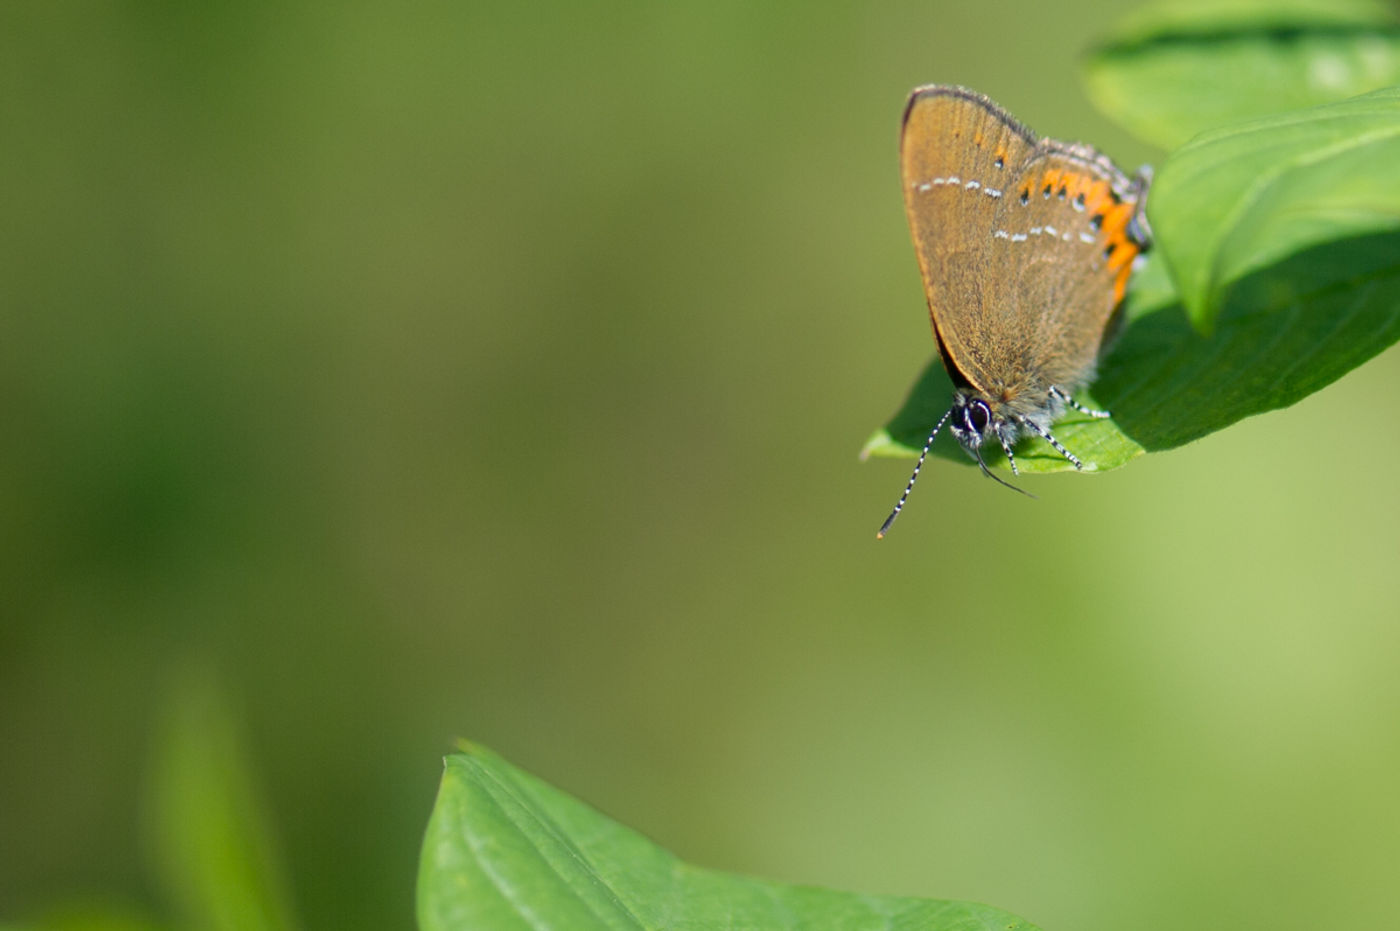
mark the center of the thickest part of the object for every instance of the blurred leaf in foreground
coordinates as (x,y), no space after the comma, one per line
(505,850)
(213,843)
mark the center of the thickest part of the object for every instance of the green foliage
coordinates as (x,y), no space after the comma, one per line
(1277,261)
(211,834)
(1252,198)
(210,845)
(506,851)
(1174,69)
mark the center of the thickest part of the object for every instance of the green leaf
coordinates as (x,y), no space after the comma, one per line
(1283,333)
(506,851)
(211,834)
(1237,200)
(1176,68)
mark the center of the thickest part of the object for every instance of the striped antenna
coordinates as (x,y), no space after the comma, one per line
(884,528)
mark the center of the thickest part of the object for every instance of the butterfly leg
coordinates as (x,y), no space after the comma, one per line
(1010,457)
(1063,396)
(1049,438)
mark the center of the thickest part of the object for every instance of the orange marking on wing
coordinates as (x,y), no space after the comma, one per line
(1099,200)
(1115,230)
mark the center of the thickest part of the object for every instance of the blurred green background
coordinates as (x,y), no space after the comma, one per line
(498,370)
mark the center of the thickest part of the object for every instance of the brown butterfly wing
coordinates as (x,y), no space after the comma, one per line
(958,156)
(1022,243)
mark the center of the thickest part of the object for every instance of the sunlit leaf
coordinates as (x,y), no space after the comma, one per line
(1173,69)
(1237,200)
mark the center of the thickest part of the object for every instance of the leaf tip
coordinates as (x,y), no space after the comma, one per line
(881,444)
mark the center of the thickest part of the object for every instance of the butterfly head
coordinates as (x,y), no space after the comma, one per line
(973,422)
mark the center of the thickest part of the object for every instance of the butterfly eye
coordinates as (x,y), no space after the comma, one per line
(976,416)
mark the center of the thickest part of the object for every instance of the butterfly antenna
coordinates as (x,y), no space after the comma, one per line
(977,451)
(884,528)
